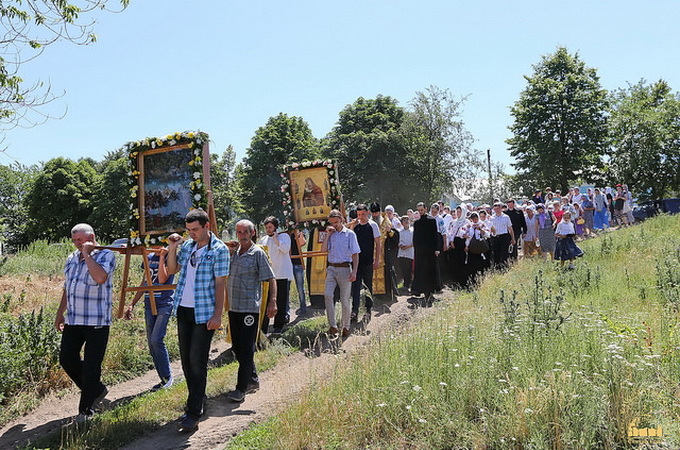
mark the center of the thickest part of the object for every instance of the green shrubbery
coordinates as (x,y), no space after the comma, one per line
(29,352)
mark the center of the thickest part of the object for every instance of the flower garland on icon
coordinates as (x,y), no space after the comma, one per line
(195,141)
(333,199)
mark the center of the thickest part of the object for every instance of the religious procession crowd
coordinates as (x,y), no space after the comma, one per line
(425,249)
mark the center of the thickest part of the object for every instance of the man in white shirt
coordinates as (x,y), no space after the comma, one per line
(503,238)
(279,254)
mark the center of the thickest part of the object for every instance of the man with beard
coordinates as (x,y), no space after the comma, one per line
(427,243)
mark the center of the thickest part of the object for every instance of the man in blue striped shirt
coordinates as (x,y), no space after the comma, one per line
(203,263)
(86,300)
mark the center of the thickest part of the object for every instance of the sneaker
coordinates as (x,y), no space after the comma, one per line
(353,316)
(236,396)
(572,267)
(188,424)
(164,384)
(367,317)
(345,332)
(82,418)
(100,398)
(253,386)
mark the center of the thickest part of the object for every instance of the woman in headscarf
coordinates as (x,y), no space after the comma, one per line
(600,220)
(579,220)
(588,208)
(475,261)
(483,217)
(566,248)
(546,233)
(456,233)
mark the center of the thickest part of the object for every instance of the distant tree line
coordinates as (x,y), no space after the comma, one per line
(567,130)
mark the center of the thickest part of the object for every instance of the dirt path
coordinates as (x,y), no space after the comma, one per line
(223,419)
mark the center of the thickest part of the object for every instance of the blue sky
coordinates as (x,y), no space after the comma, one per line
(225,67)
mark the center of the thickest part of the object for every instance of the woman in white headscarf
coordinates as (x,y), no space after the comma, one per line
(546,233)
(456,238)
(476,230)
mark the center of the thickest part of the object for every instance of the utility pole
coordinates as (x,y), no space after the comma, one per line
(488,160)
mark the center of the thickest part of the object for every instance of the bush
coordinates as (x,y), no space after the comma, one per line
(29,351)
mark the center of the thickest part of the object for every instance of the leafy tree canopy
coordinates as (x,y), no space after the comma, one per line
(645,130)
(283,140)
(439,146)
(60,198)
(16,182)
(369,150)
(29,27)
(560,122)
(225,192)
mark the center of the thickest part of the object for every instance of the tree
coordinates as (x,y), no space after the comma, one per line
(225,189)
(60,198)
(16,182)
(368,147)
(560,122)
(283,140)
(30,26)
(110,198)
(645,130)
(439,145)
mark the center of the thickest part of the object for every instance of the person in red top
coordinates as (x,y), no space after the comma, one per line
(557,211)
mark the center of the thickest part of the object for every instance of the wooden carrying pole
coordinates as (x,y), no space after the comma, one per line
(150,288)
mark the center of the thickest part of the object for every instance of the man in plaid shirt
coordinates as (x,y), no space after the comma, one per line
(86,300)
(203,263)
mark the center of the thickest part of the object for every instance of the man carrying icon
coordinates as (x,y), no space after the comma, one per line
(203,264)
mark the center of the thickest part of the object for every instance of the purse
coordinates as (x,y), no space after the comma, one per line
(580,221)
(478,246)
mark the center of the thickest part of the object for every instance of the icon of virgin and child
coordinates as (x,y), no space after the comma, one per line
(312,194)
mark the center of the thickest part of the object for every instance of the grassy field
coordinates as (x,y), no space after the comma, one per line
(535,358)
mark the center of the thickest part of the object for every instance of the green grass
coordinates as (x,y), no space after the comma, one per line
(39,258)
(536,358)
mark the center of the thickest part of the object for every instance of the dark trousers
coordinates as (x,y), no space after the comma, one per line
(364,276)
(243,327)
(194,348)
(282,316)
(406,270)
(500,245)
(515,248)
(85,373)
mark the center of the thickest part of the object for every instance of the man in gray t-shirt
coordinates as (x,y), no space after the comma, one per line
(249,268)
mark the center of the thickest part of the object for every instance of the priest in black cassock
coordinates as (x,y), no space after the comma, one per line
(427,243)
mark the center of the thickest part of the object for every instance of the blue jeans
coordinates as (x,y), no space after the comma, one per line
(299,275)
(156,326)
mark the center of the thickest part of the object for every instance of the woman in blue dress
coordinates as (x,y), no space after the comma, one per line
(565,247)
